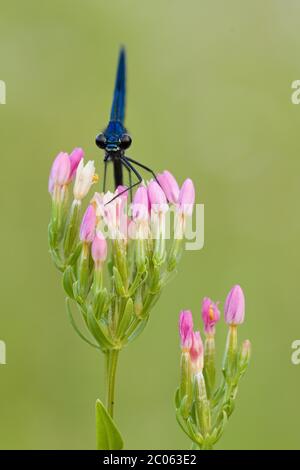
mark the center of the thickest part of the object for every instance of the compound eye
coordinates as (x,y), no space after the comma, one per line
(125,141)
(101,141)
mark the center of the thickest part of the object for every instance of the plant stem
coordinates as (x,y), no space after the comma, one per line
(111,368)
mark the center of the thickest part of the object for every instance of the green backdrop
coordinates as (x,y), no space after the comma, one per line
(209,96)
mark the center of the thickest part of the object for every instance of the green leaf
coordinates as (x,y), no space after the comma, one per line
(97,331)
(107,434)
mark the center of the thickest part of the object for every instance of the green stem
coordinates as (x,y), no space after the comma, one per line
(111,368)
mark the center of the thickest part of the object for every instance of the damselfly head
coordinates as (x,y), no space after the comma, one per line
(113,143)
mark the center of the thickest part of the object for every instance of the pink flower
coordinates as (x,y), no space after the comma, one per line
(60,171)
(235,306)
(196,352)
(64,168)
(75,157)
(140,204)
(210,315)
(186,329)
(157,197)
(99,248)
(169,186)
(186,197)
(88,225)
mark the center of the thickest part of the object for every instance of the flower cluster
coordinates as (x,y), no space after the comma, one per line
(115,259)
(202,410)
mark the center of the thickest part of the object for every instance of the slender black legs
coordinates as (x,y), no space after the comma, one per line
(146,168)
(105,173)
(127,163)
(129,167)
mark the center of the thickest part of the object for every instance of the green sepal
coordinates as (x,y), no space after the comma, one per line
(75,255)
(126,319)
(120,289)
(108,436)
(218,394)
(135,330)
(177,398)
(221,427)
(209,370)
(100,303)
(185,406)
(183,424)
(139,279)
(84,273)
(71,229)
(77,294)
(202,407)
(231,354)
(50,235)
(68,281)
(98,331)
(72,321)
(195,435)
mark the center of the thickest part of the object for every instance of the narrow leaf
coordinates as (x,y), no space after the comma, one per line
(72,321)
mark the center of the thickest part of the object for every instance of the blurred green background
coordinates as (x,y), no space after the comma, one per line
(209,96)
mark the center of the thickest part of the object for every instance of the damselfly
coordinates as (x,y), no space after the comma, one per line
(115,140)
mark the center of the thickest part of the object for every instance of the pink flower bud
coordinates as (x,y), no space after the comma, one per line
(60,171)
(210,315)
(75,157)
(169,186)
(157,197)
(246,349)
(196,352)
(88,225)
(186,329)
(99,248)
(122,190)
(235,306)
(187,197)
(140,204)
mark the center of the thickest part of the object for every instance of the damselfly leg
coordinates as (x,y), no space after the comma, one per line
(130,168)
(146,168)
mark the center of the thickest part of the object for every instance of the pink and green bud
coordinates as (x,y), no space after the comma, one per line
(246,350)
(60,171)
(169,185)
(88,225)
(244,357)
(210,315)
(140,204)
(99,248)
(75,158)
(186,329)
(197,352)
(186,197)
(235,306)
(157,198)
